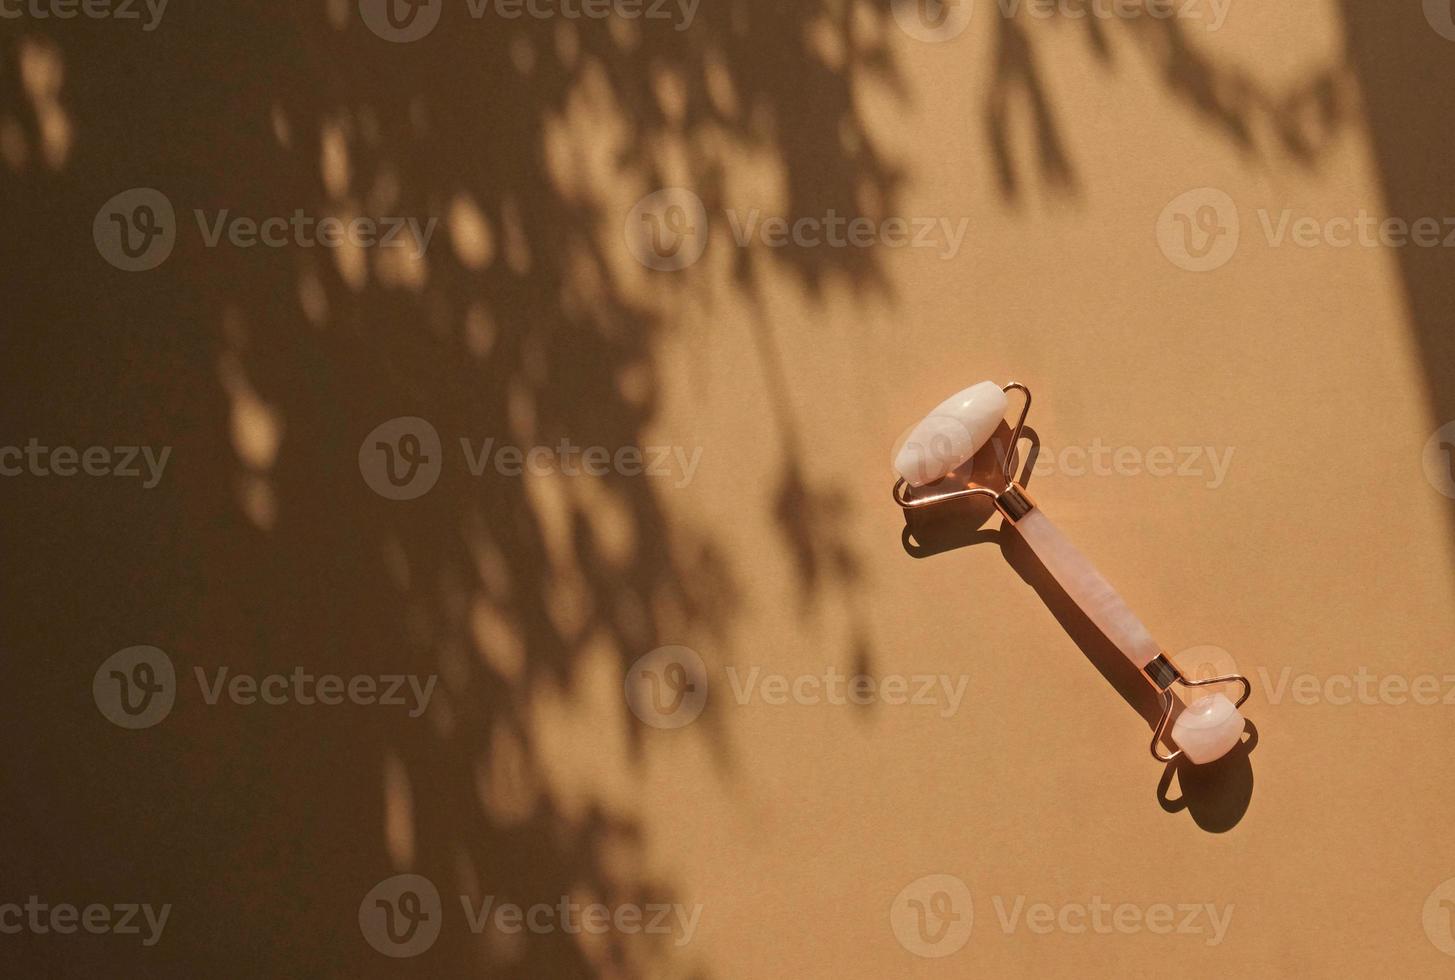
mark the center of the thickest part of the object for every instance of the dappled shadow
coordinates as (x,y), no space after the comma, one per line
(264,369)
(1391,79)
(1299,121)
(1406,72)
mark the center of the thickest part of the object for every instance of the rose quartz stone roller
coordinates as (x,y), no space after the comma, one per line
(1209,727)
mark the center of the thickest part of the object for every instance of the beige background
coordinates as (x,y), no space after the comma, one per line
(1325,549)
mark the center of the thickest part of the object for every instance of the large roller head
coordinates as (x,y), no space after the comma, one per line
(951,434)
(1208,728)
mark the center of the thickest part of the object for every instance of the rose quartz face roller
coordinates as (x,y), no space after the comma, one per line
(1209,727)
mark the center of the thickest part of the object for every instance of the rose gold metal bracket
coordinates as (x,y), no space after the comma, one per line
(1163,673)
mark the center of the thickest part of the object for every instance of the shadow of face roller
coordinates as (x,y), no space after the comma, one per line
(1216,794)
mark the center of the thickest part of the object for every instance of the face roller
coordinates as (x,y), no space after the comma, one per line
(1208,728)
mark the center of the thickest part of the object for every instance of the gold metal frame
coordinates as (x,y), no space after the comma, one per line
(1164,691)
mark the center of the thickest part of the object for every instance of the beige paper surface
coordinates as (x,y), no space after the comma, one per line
(1172,231)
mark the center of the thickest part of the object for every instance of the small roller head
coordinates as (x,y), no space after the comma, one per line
(951,434)
(1208,728)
